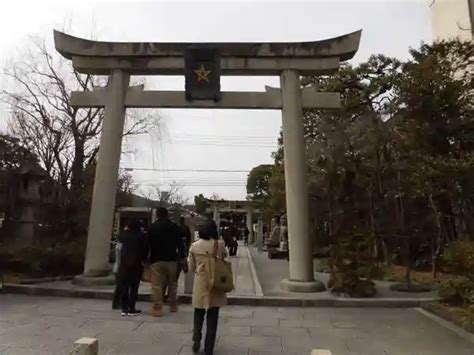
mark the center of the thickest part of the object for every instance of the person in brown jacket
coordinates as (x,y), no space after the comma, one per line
(206,301)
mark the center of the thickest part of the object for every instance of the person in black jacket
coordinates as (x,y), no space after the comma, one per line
(185,233)
(186,236)
(132,256)
(166,247)
(182,264)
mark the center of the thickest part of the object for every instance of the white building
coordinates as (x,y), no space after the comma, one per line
(452,19)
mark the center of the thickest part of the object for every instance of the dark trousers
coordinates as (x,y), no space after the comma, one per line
(212,318)
(233,249)
(129,291)
(116,301)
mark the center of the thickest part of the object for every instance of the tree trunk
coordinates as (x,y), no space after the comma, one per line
(405,235)
(386,253)
(435,250)
(77,169)
(408,269)
(331,214)
(372,227)
(452,220)
(469,219)
(76,202)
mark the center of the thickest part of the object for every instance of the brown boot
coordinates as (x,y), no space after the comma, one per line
(156,312)
(174,308)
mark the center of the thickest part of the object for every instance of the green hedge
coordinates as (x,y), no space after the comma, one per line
(41,261)
(458,258)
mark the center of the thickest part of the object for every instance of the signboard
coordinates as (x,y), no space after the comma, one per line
(202,74)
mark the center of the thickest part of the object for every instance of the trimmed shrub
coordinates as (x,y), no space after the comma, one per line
(353,266)
(458,290)
(459,258)
(39,262)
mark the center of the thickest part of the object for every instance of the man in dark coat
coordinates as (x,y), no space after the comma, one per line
(232,239)
(246,235)
(182,264)
(130,270)
(166,248)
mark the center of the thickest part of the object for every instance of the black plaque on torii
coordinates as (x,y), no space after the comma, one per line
(202,74)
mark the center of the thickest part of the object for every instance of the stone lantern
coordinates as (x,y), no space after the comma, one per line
(31,177)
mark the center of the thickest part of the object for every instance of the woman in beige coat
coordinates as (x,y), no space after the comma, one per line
(206,301)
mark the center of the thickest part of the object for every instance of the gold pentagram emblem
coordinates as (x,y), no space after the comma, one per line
(202,74)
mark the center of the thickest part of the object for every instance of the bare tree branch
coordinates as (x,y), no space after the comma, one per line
(65,139)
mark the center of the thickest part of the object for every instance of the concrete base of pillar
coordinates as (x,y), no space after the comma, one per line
(84,280)
(302,286)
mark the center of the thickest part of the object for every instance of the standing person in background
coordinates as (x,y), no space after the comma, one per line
(206,301)
(166,247)
(246,235)
(116,303)
(182,264)
(186,236)
(185,233)
(232,242)
(133,253)
(233,246)
(227,236)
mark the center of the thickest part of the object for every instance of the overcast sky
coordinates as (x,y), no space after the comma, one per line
(197,139)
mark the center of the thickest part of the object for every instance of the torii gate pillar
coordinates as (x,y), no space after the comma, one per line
(300,245)
(105,183)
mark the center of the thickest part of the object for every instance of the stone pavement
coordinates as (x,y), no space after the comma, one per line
(257,283)
(243,280)
(50,325)
(271,272)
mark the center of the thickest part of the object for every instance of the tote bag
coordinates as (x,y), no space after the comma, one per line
(222,278)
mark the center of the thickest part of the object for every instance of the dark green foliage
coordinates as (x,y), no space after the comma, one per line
(201,203)
(258,183)
(397,161)
(459,258)
(277,199)
(41,261)
(13,154)
(457,291)
(353,266)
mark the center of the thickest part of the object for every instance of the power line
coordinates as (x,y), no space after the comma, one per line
(193,184)
(226,144)
(188,170)
(229,141)
(191,180)
(224,140)
(184,135)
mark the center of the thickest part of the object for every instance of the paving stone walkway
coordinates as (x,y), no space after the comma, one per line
(49,326)
(270,272)
(243,280)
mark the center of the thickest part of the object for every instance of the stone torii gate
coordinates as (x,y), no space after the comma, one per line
(287,60)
